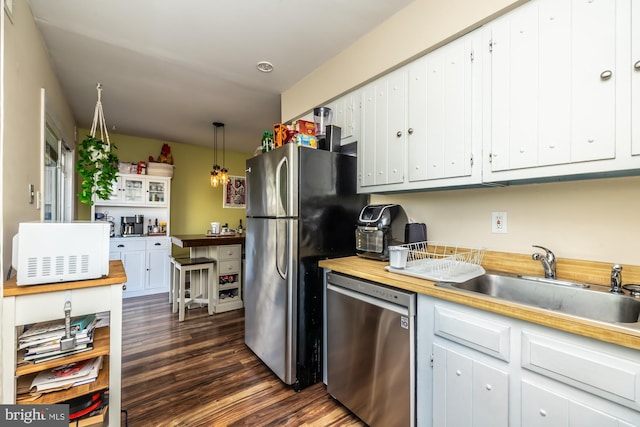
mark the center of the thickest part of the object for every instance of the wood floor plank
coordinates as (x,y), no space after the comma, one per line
(200,373)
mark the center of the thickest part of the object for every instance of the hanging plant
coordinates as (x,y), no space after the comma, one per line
(97,166)
(97,163)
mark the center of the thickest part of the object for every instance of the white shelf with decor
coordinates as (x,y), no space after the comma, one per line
(146,256)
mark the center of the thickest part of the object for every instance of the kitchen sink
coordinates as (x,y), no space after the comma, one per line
(563,297)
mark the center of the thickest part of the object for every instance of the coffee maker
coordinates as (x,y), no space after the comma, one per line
(132,225)
(378,227)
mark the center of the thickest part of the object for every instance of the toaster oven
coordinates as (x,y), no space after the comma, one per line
(378,227)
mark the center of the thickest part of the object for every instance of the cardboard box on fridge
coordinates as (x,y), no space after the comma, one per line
(306,141)
(305,127)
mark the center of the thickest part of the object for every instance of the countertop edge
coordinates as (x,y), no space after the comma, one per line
(116,276)
(374,271)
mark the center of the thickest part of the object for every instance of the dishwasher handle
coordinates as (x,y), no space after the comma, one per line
(404,311)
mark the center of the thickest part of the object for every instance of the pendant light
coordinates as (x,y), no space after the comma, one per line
(224,173)
(217,174)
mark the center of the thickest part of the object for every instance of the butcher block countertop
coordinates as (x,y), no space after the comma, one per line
(195,240)
(594,273)
(116,275)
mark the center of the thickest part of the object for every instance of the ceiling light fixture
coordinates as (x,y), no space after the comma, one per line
(265,66)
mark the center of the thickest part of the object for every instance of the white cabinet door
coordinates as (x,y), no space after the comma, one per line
(467,392)
(382,149)
(134,266)
(440,113)
(514,85)
(544,408)
(367,147)
(134,190)
(593,79)
(490,396)
(157,192)
(635,77)
(132,253)
(158,263)
(347,115)
(552,85)
(158,269)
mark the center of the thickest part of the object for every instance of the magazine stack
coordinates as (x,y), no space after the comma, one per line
(41,341)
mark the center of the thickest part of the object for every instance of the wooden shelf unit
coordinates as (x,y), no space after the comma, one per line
(24,305)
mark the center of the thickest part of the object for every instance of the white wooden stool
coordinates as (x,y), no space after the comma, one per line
(201,290)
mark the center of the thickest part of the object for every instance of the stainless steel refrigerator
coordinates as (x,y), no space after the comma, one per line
(302,206)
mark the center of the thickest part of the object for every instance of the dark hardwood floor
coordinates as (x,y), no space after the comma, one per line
(200,373)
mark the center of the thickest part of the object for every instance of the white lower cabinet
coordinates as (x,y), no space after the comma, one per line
(468,392)
(544,408)
(146,263)
(480,369)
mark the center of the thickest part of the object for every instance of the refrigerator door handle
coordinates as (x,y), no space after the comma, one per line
(283,164)
(282,269)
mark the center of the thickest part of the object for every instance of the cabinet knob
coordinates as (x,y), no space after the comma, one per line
(157,244)
(124,287)
(488,387)
(591,140)
(637,65)
(399,133)
(410,130)
(459,372)
(606,75)
(543,413)
(121,246)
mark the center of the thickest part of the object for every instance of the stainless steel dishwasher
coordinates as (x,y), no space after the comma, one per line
(371,350)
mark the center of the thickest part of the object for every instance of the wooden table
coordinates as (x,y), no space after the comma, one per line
(227,252)
(199,240)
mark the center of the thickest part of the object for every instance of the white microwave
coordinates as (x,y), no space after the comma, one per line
(51,252)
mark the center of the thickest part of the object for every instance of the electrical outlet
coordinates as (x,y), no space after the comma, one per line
(498,222)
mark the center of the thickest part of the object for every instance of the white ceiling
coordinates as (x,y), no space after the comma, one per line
(170,68)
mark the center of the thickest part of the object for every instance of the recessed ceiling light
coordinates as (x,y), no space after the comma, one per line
(265,67)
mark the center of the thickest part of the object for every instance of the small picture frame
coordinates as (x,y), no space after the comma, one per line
(8,9)
(234,193)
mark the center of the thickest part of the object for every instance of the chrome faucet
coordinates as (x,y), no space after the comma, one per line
(548,262)
(616,279)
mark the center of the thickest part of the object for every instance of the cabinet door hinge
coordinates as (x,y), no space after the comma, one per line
(491,45)
(471,55)
(471,161)
(432,359)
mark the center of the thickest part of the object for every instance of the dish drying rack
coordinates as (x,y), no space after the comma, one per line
(441,262)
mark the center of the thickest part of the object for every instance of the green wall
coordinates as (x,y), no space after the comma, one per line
(194,203)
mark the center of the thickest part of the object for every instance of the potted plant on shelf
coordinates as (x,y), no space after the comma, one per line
(97,163)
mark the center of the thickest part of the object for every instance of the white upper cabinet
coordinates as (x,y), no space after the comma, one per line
(440,112)
(381,150)
(347,115)
(556,91)
(549,89)
(634,68)
(421,123)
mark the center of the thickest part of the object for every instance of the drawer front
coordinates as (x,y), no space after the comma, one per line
(158,243)
(487,336)
(229,252)
(226,267)
(597,372)
(131,244)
